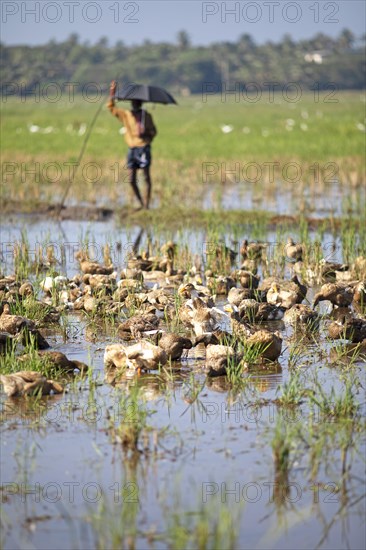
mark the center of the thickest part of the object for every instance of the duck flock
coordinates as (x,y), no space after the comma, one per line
(162,312)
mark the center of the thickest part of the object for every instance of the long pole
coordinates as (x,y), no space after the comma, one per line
(81,154)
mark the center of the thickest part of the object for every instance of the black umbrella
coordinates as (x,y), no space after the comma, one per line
(152,94)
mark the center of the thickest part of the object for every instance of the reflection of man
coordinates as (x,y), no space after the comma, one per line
(140,131)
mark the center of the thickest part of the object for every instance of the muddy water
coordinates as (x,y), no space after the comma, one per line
(206,455)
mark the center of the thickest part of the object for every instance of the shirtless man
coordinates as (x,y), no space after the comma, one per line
(140,131)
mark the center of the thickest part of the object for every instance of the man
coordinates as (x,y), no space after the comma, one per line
(140,131)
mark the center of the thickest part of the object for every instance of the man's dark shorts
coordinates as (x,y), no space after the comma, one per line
(139,157)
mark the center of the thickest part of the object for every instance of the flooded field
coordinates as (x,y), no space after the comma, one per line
(213,389)
(268,456)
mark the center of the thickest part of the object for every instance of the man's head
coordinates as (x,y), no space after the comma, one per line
(136,104)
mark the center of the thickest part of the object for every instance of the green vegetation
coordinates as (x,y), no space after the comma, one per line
(261,154)
(321,131)
(189,67)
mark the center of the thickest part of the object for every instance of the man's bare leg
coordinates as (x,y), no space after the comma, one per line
(148,184)
(132,174)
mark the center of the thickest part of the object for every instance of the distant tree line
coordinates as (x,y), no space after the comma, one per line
(185,68)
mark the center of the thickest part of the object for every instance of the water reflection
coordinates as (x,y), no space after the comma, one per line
(30,410)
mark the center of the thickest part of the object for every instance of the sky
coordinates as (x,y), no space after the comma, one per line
(133,21)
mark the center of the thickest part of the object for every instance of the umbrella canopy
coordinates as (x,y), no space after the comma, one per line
(152,94)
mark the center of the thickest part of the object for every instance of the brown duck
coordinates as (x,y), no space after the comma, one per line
(293,251)
(300,315)
(140,356)
(247,279)
(329,270)
(220,285)
(269,343)
(286,293)
(28,383)
(254,312)
(252,251)
(348,329)
(173,344)
(216,337)
(217,359)
(240,328)
(94,268)
(134,327)
(338,294)
(58,360)
(237,295)
(16,324)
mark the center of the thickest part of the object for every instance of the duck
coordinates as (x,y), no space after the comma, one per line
(115,356)
(348,329)
(13,323)
(93,268)
(26,289)
(203,319)
(58,360)
(283,295)
(134,327)
(264,312)
(249,265)
(49,284)
(101,282)
(252,251)
(248,309)
(286,293)
(237,295)
(348,352)
(330,270)
(240,328)
(300,315)
(217,336)
(220,285)
(16,324)
(187,310)
(7,282)
(339,294)
(140,263)
(169,249)
(191,290)
(88,302)
(155,275)
(145,356)
(218,358)
(159,298)
(247,279)
(266,283)
(302,288)
(294,251)
(173,344)
(130,284)
(223,253)
(269,344)
(120,295)
(132,273)
(28,383)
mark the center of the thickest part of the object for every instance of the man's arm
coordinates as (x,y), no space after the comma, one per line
(119,113)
